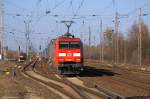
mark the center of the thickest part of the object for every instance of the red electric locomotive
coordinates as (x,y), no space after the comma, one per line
(66,54)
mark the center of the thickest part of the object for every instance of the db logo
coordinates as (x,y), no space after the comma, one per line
(69,54)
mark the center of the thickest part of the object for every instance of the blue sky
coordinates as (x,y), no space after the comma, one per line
(44,27)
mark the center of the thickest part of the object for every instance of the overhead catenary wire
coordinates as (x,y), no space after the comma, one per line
(48,5)
(22,37)
(68,15)
(38,2)
(39,18)
(80,5)
(44,15)
(17,6)
(137,9)
(107,6)
(58,4)
(23,15)
(32,14)
(72,8)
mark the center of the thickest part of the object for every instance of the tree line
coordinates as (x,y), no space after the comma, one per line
(127,46)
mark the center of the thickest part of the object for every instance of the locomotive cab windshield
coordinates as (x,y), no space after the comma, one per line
(69,45)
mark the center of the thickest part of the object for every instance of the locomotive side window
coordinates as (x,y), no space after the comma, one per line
(70,45)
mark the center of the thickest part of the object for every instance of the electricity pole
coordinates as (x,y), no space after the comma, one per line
(101,42)
(140,37)
(82,32)
(27,28)
(1,28)
(89,43)
(125,53)
(18,53)
(116,38)
(89,36)
(94,40)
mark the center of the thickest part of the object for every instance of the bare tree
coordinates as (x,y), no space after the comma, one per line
(132,43)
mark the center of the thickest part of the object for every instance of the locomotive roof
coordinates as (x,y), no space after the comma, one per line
(68,39)
(65,39)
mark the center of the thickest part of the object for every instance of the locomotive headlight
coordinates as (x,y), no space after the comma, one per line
(76,54)
(62,54)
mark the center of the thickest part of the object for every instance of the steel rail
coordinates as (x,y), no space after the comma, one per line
(51,84)
(109,94)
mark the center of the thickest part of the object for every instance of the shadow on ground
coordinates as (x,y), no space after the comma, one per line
(94,72)
(139,97)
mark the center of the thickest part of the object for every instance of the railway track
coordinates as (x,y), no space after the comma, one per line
(90,93)
(119,66)
(99,91)
(133,82)
(109,94)
(87,92)
(66,89)
(130,77)
(49,84)
(142,89)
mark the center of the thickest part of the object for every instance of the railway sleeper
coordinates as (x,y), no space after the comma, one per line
(109,94)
